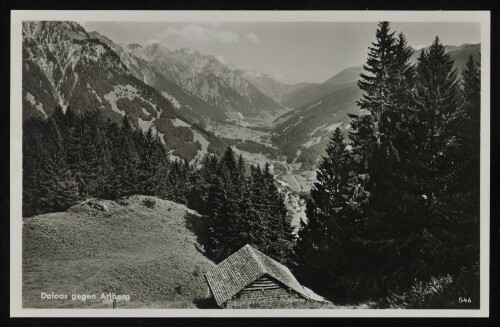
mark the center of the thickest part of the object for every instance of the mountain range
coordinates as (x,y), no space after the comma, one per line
(65,66)
(196,103)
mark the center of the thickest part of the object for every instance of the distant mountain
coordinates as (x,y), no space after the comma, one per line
(64,65)
(217,84)
(303,133)
(460,54)
(270,86)
(313,92)
(135,57)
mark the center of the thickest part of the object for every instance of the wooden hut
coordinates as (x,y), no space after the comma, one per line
(248,278)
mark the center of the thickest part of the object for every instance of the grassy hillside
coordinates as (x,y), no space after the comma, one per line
(141,246)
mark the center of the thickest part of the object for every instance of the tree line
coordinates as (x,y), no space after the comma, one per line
(396,201)
(68,158)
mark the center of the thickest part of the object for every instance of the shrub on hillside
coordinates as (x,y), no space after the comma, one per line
(441,292)
(149,203)
(254,147)
(187,151)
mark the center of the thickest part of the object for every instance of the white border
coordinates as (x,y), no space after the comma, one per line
(17,17)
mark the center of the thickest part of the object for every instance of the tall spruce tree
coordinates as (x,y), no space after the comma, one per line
(33,153)
(416,233)
(279,232)
(224,216)
(463,180)
(328,241)
(152,159)
(127,160)
(57,189)
(379,74)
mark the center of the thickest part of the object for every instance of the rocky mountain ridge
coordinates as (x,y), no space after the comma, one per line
(64,66)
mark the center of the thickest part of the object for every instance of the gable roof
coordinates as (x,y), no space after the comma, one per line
(242,268)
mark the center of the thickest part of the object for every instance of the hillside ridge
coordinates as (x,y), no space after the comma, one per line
(139,246)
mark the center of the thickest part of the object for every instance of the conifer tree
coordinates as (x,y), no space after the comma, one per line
(463,180)
(379,74)
(57,189)
(434,109)
(277,242)
(414,231)
(33,152)
(224,238)
(327,241)
(127,161)
(152,159)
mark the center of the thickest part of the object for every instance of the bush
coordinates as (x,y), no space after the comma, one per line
(149,203)
(254,147)
(441,292)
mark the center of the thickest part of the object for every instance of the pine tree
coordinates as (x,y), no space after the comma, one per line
(385,70)
(152,159)
(328,240)
(104,164)
(33,152)
(126,161)
(463,180)
(435,108)
(409,210)
(199,199)
(390,162)
(380,75)
(223,231)
(277,242)
(57,189)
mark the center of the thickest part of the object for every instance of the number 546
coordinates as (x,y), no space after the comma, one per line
(464,300)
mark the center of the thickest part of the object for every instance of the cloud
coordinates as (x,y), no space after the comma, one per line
(252,37)
(278,75)
(200,35)
(152,41)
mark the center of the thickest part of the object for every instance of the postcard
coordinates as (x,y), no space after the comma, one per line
(250,163)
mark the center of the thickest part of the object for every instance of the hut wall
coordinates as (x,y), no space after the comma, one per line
(263,291)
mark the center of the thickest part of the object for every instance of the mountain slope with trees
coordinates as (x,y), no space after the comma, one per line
(314,92)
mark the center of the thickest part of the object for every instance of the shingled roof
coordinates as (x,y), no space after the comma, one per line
(244,267)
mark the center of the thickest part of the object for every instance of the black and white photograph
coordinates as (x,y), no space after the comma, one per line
(221,163)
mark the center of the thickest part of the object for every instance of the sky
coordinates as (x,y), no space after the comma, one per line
(292,52)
